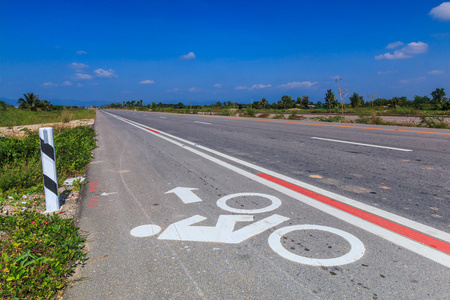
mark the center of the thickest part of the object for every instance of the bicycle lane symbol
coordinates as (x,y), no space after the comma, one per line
(224,231)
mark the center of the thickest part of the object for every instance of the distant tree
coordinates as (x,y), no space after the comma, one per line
(330,100)
(438,99)
(45,105)
(319,104)
(287,101)
(29,102)
(305,101)
(356,100)
(263,102)
(153,106)
(398,102)
(421,102)
(343,93)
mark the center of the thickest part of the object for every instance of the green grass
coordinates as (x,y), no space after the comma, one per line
(16,117)
(38,251)
(37,254)
(20,161)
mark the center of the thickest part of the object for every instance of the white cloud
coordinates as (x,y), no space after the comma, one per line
(49,84)
(148,81)
(389,56)
(66,83)
(188,56)
(297,84)
(415,48)
(80,66)
(408,51)
(81,52)
(81,76)
(105,73)
(386,72)
(79,85)
(436,72)
(218,85)
(253,87)
(259,86)
(413,80)
(194,89)
(394,45)
(441,12)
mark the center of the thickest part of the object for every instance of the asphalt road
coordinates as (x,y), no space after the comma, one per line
(384,205)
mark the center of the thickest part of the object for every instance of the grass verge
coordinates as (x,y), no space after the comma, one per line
(16,117)
(38,251)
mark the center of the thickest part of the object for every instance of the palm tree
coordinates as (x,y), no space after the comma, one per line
(263,102)
(30,102)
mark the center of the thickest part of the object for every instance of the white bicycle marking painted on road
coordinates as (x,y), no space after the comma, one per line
(222,232)
(222,203)
(145,230)
(185,194)
(356,252)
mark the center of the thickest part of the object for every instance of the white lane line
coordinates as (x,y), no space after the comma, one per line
(199,122)
(386,234)
(162,117)
(361,144)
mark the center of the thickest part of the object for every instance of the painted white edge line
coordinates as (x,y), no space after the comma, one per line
(199,122)
(361,144)
(416,247)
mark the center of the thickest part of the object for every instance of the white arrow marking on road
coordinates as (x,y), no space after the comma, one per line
(222,232)
(185,194)
(107,194)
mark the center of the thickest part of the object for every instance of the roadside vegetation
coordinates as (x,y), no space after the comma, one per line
(31,110)
(38,251)
(430,109)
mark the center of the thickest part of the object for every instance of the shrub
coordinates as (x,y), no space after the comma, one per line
(264,115)
(278,116)
(338,119)
(66,116)
(433,121)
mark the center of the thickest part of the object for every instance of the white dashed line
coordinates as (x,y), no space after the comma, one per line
(361,144)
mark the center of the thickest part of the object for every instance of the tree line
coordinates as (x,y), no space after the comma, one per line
(31,102)
(437,101)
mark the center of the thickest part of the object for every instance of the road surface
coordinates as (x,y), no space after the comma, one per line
(200,207)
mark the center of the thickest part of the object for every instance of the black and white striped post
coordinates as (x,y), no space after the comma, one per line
(49,169)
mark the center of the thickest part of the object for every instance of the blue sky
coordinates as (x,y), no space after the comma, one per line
(98,52)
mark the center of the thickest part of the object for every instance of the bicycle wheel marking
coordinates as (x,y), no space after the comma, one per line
(356,252)
(222,203)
